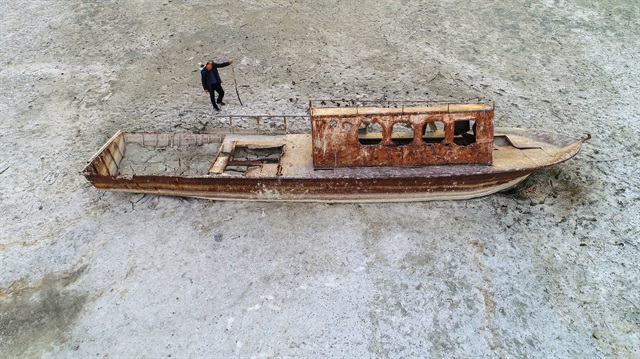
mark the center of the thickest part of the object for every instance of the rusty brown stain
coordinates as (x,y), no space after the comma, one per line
(404,182)
(336,142)
(489,304)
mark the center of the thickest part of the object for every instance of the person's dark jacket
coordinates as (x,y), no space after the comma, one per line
(208,76)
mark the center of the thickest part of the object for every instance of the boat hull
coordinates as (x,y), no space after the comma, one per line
(330,190)
(517,154)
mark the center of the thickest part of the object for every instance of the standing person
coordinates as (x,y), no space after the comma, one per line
(211,82)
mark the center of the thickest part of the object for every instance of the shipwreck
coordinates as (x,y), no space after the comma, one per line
(348,152)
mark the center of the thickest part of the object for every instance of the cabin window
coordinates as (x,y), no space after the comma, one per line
(369,133)
(402,133)
(433,132)
(464,132)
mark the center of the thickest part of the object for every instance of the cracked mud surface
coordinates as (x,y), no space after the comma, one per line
(546,270)
(177,161)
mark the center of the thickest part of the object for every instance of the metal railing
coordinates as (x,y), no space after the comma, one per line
(262,124)
(398,104)
(294,124)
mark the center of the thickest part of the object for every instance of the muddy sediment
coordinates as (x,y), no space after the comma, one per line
(36,316)
(546,270)
(167,161)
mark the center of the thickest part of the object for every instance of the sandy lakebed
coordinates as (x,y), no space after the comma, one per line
(547,272)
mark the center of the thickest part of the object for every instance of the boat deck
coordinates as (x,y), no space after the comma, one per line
(512,152)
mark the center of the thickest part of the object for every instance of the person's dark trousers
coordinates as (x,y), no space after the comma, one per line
(218,88)
(213,99)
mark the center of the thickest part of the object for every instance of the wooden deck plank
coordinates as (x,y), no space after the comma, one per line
(266,170)
(91,164)
(222,159)
(297,159)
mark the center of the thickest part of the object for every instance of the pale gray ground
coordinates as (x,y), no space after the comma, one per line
(168,161)
(549,273)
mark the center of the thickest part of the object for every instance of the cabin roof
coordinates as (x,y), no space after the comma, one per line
(354,111)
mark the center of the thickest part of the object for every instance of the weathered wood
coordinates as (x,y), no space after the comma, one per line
(90,164)
(101,166)
(224,154)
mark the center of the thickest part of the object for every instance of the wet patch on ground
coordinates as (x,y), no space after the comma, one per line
(37,315)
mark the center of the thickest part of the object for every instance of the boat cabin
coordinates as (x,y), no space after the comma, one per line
(423,134)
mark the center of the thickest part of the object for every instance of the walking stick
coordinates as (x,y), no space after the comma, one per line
(236,82)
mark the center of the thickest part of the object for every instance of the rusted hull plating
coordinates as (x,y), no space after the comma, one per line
(318,189)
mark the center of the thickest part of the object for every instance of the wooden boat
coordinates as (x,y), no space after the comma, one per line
(409,151)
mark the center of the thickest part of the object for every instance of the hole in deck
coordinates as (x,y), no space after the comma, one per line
(245,158)
(255,156)
(235,170)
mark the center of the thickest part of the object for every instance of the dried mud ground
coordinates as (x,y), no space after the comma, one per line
(547,270)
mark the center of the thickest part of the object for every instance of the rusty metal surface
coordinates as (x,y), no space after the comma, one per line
(303,188)
(398,174)
(336,139)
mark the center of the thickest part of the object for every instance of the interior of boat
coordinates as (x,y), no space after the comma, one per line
(271,149)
